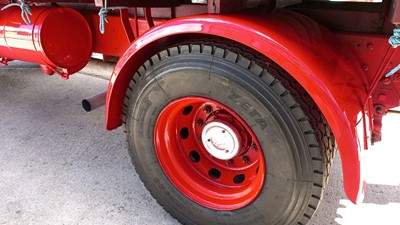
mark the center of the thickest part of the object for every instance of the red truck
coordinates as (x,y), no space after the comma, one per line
(234,109)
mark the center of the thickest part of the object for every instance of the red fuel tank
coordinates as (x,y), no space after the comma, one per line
(59,39)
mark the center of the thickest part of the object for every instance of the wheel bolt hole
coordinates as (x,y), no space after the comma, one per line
(239,178)
(187,110)
(184,133)
(223,131)
(209,140)
(257,170)
(194,156)
(214,173)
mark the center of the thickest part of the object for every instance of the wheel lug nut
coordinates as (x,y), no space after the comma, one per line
(200,122)
(207,109)
(254,146)
(245,159)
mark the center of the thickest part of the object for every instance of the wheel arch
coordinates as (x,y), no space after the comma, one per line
(306,50)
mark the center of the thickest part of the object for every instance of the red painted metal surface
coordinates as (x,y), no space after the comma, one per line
(310,53)
(219,184)
(383,91)
(50,40)
(385,97)
(114,42)
(366,47)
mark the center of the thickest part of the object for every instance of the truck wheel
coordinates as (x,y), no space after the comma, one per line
(220,135)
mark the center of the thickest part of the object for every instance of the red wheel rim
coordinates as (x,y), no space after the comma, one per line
(209,153)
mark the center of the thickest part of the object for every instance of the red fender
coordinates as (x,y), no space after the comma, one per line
(305,49)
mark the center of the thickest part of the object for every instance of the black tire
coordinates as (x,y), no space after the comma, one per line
(297,143)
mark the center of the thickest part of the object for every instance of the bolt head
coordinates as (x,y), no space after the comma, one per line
(379,110)
(245,159)
(207,109)
(200,122)
(364,67)
(387,81)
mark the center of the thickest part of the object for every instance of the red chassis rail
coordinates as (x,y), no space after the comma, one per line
(343,71)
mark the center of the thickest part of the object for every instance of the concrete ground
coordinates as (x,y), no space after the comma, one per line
(58,165)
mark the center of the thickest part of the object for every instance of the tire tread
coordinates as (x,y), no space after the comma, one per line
(320,138)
